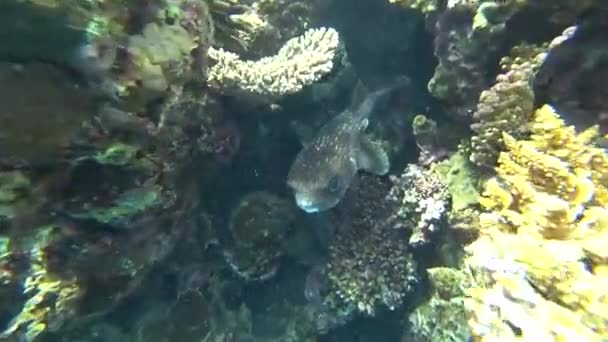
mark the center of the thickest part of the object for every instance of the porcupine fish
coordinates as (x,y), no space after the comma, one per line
(323,170)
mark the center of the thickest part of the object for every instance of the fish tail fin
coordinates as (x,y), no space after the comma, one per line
(398,82)
(364,101)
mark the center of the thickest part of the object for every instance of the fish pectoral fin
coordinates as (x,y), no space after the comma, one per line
(371,157)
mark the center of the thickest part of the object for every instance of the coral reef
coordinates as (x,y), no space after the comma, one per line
(435,141)
(170,50)
(369,264)
(141,200)
(461,180)
(557,165)
(300,62)
(443,316)
(79,247)
(506,106)
(425,6)
(62,268)
(571,81)
(194,125)
(291,18)
(463,184)
(544,274)
(423,202)
(242,27)
(73,24)
(160,54)
(463,51)
(49,301)
(258,225)
(469,37)
(426,134)
(28,132)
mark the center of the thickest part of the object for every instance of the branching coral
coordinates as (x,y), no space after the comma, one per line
(553,185)
(547,216)
(300,62)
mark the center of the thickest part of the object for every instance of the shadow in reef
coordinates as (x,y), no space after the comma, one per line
(385,326)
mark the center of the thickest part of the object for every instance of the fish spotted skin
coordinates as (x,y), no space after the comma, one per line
(324,168)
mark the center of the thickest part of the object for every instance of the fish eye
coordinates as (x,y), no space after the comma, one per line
(334,184)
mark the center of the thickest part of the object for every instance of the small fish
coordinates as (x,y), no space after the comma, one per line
(325,167)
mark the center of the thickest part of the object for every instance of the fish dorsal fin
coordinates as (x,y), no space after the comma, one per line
(371,157)
(305,133)
(359,94)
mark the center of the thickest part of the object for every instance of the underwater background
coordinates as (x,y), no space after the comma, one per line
(303,170)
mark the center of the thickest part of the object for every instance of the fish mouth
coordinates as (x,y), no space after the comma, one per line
(306,204)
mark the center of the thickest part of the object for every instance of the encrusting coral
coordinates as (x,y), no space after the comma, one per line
(422,200)
(369,266)
(443,317)
(300,62)
(545,272)
(507,105)
(463,51)
(50,300)
(258,226)
(158,49)
(239,25)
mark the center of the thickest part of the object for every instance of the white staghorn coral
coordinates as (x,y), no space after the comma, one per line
(300,62)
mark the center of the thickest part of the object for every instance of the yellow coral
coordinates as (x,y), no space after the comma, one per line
(553,179)
(547,212)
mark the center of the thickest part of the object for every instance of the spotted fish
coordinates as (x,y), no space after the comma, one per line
(325,167)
